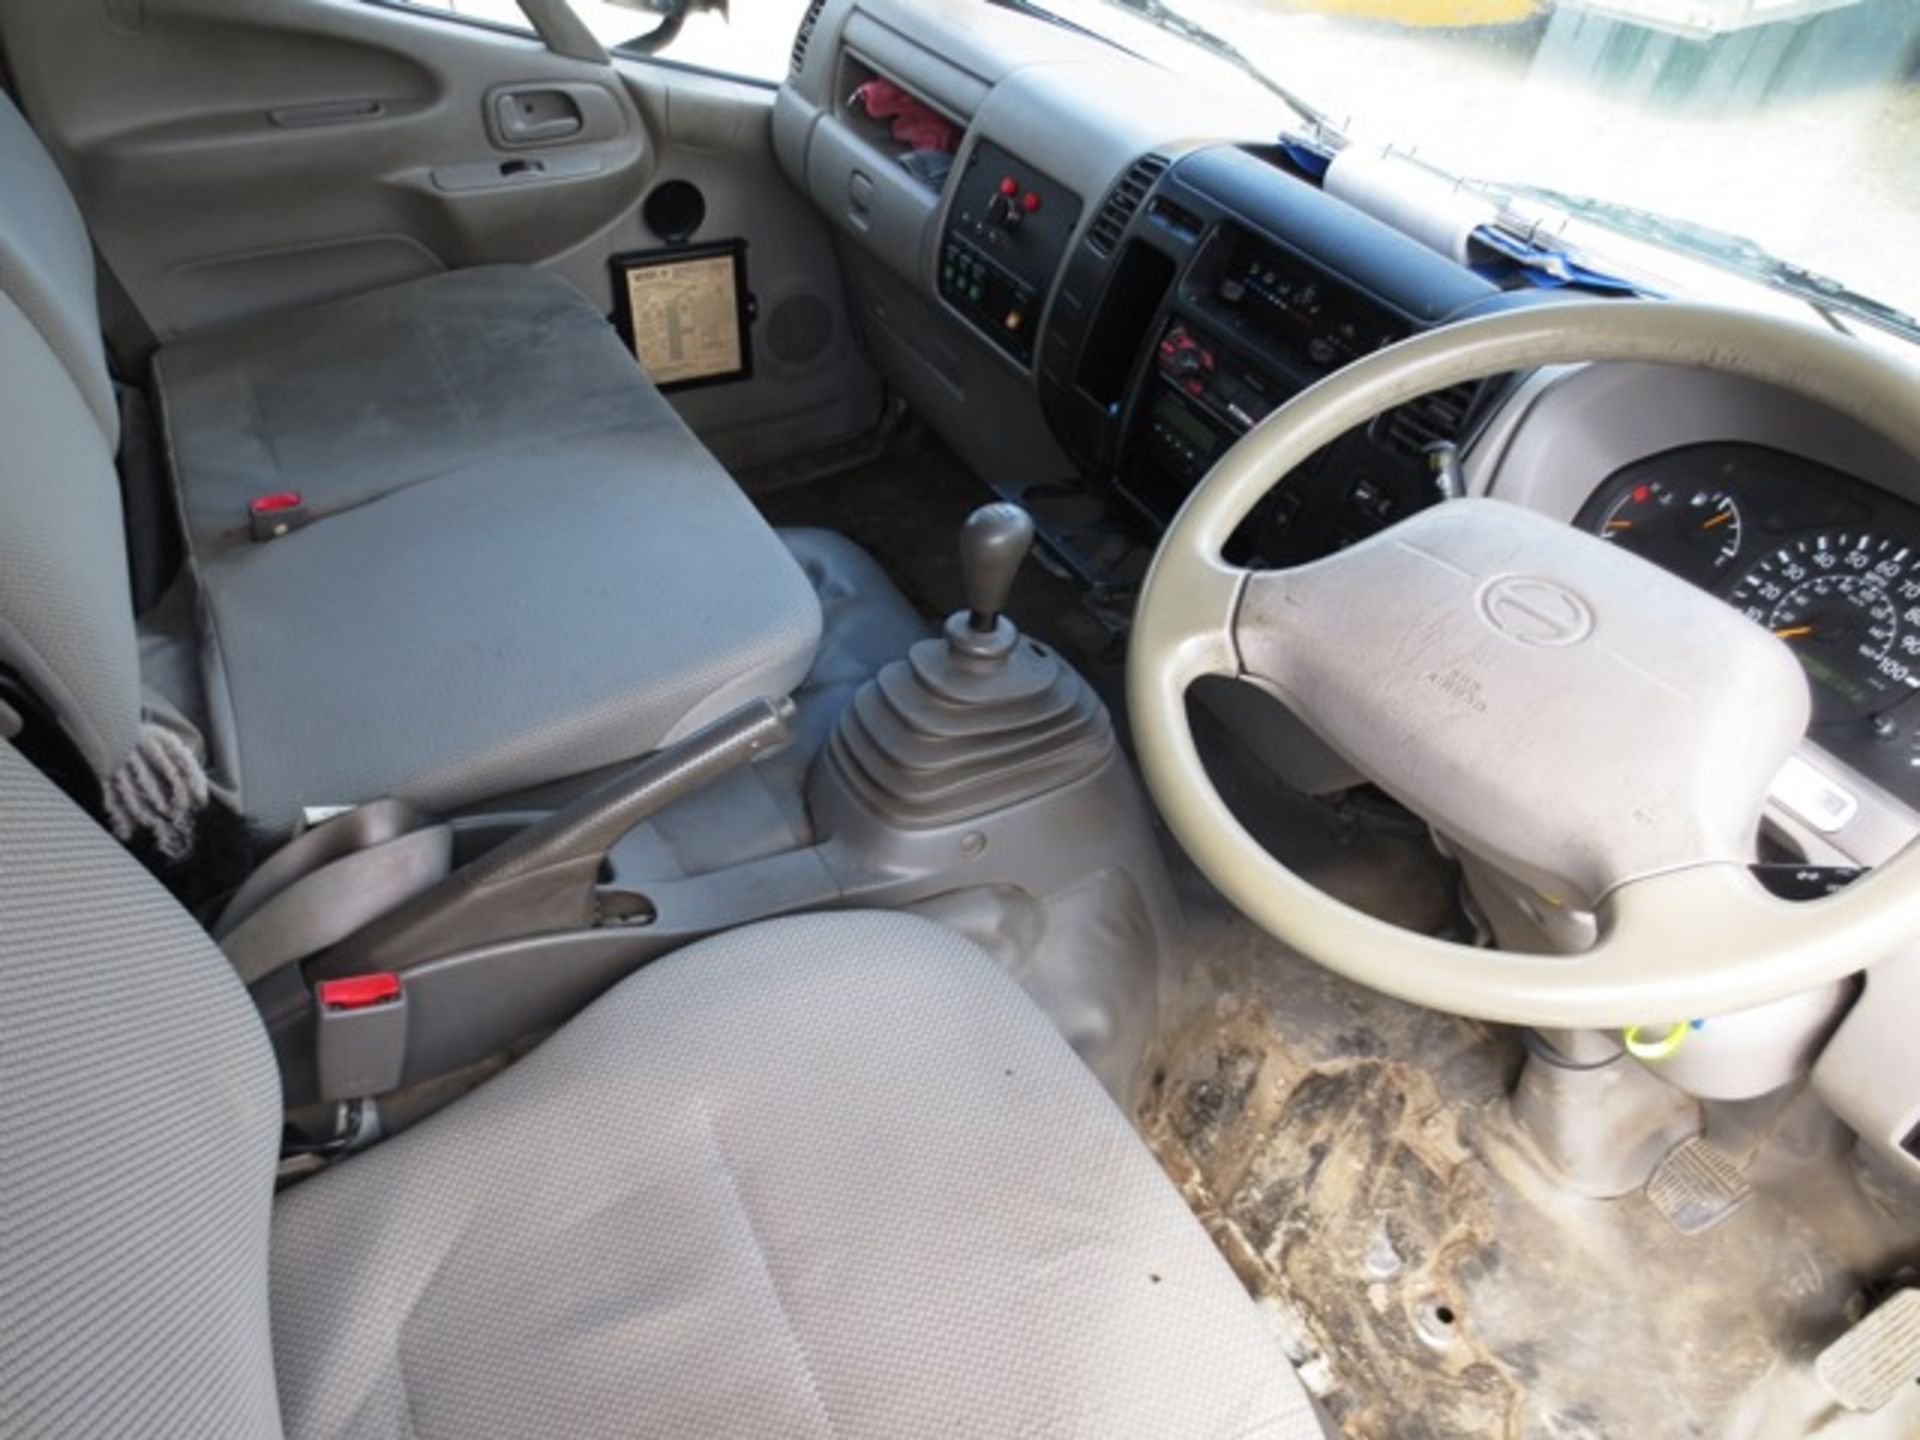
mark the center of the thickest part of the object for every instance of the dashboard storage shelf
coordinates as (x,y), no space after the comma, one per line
(895,119)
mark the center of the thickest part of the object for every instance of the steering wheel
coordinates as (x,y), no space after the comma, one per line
(1596,731)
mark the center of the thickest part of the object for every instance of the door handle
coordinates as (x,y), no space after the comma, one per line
(534,117)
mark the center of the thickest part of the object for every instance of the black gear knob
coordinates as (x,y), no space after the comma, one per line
(993,544)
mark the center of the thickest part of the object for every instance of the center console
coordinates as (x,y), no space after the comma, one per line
(1209,292)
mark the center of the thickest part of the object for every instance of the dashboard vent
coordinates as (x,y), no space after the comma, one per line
(1121,203)
(804,34)
(1420,423)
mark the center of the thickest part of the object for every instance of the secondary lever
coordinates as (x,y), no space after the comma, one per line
(543,879)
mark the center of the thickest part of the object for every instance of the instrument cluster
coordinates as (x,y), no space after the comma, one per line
(1827,563)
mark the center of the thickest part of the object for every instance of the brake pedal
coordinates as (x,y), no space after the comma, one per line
(1876,1359)
(1697,1186)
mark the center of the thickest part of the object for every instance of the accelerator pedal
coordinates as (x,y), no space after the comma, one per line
(1697,1186)
(1876,1359)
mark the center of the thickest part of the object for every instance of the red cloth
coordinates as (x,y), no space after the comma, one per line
(915,123)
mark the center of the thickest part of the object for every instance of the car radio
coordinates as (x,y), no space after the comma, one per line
(1202,399)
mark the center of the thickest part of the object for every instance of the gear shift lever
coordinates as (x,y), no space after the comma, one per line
(993,544)
(975,722)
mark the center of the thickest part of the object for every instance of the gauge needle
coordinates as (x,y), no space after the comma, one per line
(1794,632)
(1720,519)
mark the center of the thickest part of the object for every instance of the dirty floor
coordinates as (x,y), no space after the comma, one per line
(1355,1161)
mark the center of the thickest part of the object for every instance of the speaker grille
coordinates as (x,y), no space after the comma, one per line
(800,329)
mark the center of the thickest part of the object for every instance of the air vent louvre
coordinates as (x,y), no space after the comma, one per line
(804,34)
(1412,427)
(1122,201)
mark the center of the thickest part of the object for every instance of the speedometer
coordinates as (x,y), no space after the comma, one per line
(1848,602)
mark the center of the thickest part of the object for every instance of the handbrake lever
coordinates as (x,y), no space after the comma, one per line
(544,878)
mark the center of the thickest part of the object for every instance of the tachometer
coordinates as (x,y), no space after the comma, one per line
(1848,602)
(1692,530)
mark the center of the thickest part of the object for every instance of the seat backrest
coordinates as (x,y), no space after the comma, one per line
(46,265)
(139,1122)
(66,604)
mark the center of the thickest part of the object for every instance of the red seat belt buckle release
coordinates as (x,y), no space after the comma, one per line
(360,1049)
(356,992)
(272,516)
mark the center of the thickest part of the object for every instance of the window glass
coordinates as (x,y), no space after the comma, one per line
(753,38)
(1791,127)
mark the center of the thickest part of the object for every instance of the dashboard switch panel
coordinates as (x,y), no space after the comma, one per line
(1007,231)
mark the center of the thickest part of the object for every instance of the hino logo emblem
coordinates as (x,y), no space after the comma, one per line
(1534,611)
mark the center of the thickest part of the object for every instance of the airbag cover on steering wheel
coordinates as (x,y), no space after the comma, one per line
(1559,707)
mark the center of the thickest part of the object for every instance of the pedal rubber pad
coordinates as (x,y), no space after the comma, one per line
(1696,1187)
(1872,1362)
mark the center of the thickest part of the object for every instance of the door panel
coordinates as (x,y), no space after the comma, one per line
(237,159)
(811,384)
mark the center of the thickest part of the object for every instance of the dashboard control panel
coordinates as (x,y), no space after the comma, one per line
(1205,391)
(1289,308)
(1203,399)
(1006,234)
(1212,287)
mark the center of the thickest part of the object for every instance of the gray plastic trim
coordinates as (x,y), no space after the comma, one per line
(1869,1073)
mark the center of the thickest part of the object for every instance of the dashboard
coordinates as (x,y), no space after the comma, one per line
(1114,277)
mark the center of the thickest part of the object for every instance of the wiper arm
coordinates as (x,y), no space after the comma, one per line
(1722,248)
(1163,17)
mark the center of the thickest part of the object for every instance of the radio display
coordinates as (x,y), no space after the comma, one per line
(1183,422)
(1286,305)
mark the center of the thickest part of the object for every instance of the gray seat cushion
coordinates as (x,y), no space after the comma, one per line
(139,1121)
(487,631)
(353,399)
(829,1176)
(521,563)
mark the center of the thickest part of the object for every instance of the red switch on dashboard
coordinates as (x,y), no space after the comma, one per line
(1009,186)
(1029,202)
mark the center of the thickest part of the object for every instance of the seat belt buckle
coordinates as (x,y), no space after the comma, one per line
(361,1045)
(274,515)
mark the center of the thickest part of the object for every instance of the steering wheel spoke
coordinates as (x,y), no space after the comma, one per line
(1192,634)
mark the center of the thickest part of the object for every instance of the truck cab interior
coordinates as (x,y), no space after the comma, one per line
(994,734)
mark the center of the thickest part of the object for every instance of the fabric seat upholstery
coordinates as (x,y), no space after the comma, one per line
(139,1122)
(519,565)
(489,629)
(833,1175)
(347,401)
